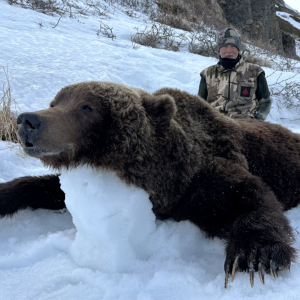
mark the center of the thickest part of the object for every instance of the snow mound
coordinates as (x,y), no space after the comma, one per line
(113,220)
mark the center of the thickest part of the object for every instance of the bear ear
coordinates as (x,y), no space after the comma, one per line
(160,109)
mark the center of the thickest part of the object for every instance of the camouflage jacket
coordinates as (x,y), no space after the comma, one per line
(232,91)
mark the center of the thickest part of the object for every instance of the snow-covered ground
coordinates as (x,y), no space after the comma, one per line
(116,249)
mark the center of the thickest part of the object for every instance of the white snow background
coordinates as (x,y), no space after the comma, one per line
(109,245)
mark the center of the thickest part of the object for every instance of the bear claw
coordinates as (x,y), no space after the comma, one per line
(261,271)
(234,267)
(273,268)
(251,273)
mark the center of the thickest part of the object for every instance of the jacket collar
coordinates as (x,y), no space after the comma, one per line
(221,69)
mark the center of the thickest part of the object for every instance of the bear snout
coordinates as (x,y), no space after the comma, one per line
(30,119)
(30,127)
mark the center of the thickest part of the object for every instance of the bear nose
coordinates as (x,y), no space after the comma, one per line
(30,121)
(31,127)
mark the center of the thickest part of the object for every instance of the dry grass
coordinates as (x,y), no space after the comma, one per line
(197,21)
(257,56)
(262,62)
(173,13)
(173,21)
(185,15)
(8,119)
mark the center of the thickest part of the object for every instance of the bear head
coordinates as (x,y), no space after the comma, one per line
(102,124)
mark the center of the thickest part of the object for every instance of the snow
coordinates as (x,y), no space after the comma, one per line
(102,207)
(287,17)
(108,244)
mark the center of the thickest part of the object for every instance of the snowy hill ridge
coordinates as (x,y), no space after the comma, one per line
(293,11)
(42,256)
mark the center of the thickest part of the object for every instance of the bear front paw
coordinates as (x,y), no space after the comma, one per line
(268,259)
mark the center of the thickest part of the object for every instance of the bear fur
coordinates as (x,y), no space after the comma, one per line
(231,178)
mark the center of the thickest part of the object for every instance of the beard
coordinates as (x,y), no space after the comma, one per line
(230,55)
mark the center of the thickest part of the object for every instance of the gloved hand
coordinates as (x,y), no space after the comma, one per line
(263,109)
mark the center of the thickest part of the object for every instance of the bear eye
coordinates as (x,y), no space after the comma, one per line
(86,108)
(51,105)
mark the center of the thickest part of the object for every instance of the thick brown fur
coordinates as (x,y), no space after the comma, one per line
(231,178)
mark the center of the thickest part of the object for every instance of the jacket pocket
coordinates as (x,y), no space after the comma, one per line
(245,91)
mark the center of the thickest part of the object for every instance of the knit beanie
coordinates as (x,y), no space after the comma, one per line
(229,36)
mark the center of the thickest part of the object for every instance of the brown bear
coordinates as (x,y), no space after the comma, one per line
(233,179)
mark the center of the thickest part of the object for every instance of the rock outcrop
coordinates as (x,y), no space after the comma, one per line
(257,19)
(289,44)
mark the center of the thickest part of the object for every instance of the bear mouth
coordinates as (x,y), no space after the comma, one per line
(37,152)
(29,148)
(32,150)
(28,145)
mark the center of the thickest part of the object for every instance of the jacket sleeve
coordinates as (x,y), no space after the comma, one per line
(202,92)
(263,97)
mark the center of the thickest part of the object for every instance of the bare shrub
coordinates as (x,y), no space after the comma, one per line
(262,62)
(158,36)
(266,54)
(144,6)
(93,7)
(49,7)
(286,64)
(196,18)
(70,8)
(8,118)
(254,56)
(149,37)
(289,91)
(106,31)
(203,42)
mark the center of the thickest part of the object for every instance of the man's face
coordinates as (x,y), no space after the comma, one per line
(229,51)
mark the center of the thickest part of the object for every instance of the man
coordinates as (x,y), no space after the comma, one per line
(234,87)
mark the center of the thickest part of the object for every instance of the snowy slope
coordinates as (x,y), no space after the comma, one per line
(42,254)
(287,17)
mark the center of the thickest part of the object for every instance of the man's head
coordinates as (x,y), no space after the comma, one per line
(229,42)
